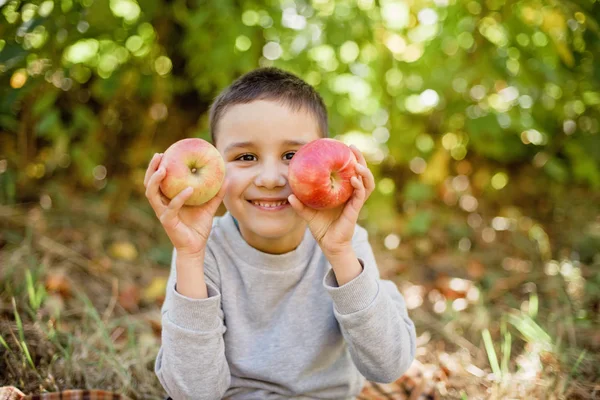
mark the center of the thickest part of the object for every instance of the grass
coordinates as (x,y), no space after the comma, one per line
(67,319)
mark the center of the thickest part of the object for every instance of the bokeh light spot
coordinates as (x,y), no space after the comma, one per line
(243,43)
(499,180)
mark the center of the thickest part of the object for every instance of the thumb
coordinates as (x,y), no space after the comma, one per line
(303,211)
(221,193)
(213,204)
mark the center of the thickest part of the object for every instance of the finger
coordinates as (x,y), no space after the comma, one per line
(149,170)
(359,188)
(358,154)
(354,205)
(163,199)
(367,177)
(152,166)
(169,218)
(153,191)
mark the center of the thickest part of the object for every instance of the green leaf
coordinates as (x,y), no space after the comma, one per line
(48,124)
(9,122)
(557,170)
(491,352)
(418,192)
(12,54)
(44,103)
(420,223)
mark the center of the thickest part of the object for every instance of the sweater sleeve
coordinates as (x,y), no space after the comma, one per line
(191,361)
(373,318)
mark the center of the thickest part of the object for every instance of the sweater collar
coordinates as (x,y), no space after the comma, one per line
(247,254)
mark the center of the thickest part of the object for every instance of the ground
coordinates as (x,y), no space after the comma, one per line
(511,313)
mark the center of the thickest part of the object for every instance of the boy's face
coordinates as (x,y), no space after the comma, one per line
(257,141)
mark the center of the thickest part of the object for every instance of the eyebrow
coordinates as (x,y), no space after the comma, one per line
(251,144)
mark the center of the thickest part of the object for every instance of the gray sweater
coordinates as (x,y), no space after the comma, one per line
(279,327)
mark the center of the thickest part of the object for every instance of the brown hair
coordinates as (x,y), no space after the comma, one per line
(269,84)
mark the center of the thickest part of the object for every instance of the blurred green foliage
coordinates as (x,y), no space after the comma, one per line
(90,89)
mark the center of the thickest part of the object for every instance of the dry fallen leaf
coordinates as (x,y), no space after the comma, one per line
(129,298)
(452,288)
(156,326)
(102,264)
(58,283)
(475,269)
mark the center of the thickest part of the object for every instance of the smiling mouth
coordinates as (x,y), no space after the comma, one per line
(269,204)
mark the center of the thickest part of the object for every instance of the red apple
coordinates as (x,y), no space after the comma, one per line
(320,172)
(192,163)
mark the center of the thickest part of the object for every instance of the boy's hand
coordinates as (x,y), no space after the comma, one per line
(333,229)
(188,227)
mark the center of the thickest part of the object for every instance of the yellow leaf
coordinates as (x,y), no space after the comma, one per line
(437,168)
(554,23)
(123,250)
(565,53)
(155,290)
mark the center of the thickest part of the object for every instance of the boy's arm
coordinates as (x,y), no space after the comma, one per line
(345,266)
(191,361)
(190,276)
(372,314)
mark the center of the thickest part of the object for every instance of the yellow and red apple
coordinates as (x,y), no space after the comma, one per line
(320,171)
(192,163)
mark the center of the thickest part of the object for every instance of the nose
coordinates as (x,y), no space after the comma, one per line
(271,175)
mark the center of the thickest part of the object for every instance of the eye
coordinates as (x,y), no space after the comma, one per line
(246,157)
(288,156)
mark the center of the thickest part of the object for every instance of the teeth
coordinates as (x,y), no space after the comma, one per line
(269,204)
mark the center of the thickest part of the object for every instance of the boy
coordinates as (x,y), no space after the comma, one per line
(273,300)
